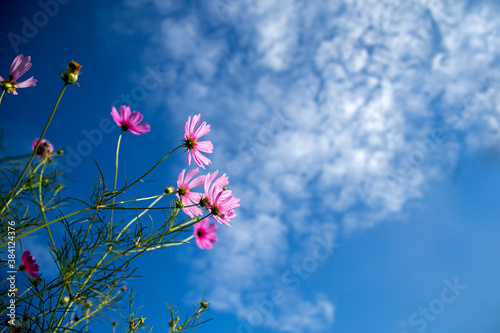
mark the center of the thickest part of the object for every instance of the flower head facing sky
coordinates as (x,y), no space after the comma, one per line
(188,198)
(205,234)
(45,149)
(19,66)
(194,147)
(29,265)
(129,121)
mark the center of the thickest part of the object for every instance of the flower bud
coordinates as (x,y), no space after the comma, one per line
(203,305)
(115,323)
(64,300)
(60,152)
(88,304)
(169,190)
(70,75)
(179,204)
(123,288)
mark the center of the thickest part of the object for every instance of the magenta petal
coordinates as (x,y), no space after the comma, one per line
(190,175)
(135,117)
(28,83)
(17,61)
(195,121)
(124,112)
(139,129)
(197,181)
(202,130)
(205,146)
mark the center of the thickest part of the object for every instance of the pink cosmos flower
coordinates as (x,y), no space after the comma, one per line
(220,201)
(19,66)
(28,264)
(204,232)
(194,147)
(188,198)
(129,121)
(45,149)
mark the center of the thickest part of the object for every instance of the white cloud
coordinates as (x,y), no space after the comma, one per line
(356,90)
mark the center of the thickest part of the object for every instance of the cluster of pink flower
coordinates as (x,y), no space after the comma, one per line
(219,201)
(216,199)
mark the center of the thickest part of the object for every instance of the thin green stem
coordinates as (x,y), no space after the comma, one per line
(14,189)
(38,293)
(133,200)
(1,96)
(147,172)
(137,217)
(116,175)
(42,208)
(47,223)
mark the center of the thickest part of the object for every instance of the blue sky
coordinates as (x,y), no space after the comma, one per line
(361,136)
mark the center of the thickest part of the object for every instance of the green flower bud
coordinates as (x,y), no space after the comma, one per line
(64,300)
(70,75)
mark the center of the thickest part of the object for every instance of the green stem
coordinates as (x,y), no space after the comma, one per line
(42,208)
(137,217)
(1,96)
(13,191)
(116,175)
(46,224)
(39,293)
(147,172)
(133,200)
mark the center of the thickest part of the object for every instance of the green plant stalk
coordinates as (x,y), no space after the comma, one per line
(137,217)
(42,208)
(116,175)
(46,224)
(14,189)
(99,264)
(147,172)
(133,200)
(37,293)
(1,96)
